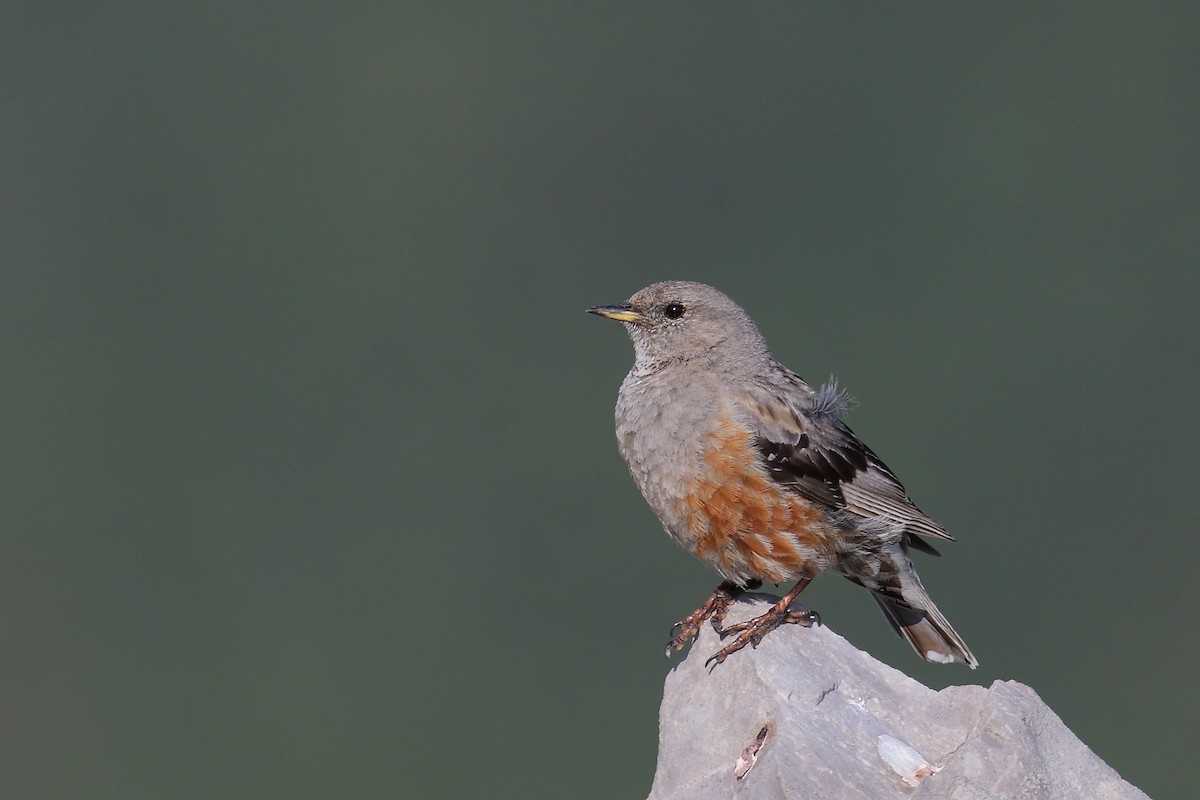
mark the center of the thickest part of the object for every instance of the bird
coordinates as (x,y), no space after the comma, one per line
(754,472)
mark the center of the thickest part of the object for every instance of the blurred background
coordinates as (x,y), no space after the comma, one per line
(309,482)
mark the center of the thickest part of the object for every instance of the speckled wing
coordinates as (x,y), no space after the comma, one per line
(805,446)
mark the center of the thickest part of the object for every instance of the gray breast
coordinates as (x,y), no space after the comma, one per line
(662,424)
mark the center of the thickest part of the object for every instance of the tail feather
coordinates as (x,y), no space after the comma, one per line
(913,615)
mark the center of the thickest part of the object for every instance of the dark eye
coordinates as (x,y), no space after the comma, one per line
(674,310)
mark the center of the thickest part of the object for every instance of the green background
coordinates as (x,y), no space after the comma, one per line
(309,481)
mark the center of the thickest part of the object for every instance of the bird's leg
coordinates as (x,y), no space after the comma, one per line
(752,631)
(715,608)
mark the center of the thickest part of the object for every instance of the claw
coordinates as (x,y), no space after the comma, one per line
(752,631)
(714,609)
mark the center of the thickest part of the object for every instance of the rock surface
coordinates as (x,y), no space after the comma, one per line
(840,724)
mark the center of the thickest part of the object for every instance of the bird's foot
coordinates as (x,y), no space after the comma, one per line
(714,609)
(752,631)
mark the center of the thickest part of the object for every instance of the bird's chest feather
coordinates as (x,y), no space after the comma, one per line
(698,469)
(660,429)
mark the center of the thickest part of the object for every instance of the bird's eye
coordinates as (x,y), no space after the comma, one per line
(674,310)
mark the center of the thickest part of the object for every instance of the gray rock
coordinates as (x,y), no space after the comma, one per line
(840,724)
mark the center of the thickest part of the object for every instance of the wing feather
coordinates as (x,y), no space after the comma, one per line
(805,446)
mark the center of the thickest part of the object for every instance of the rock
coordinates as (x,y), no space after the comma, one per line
(808,715)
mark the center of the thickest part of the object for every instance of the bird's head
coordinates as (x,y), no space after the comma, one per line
(680,321)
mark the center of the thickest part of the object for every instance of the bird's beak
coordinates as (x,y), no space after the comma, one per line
(622,312)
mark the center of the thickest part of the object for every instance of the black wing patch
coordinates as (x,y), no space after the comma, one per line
(817,472)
